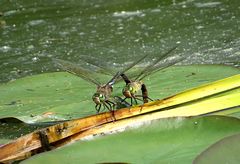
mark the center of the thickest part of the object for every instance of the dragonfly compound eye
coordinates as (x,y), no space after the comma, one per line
(98,98)
(130,89)
(101,97)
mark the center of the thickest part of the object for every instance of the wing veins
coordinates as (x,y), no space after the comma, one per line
(162,66)
(147,70)
(76,70)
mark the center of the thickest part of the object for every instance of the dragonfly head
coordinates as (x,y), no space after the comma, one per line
(128,91)
(98,98)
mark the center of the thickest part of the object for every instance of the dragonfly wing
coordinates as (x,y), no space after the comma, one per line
(163,65)
(101,65)
(103,68)
(133,64)
(150,67)
(129,67)
(76,70)
(114,79)
(117,77)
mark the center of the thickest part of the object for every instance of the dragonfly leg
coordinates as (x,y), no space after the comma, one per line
(150,98)
(123,100)
(135,99)
(120,102)
(111,104)
(106,106)
(136,96)
(131,101)
(125,103)
(98,107)
(109,108)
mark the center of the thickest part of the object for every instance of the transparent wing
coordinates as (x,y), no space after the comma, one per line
(116,76)
(133,64)
(150,68)
(76,70)
(114,79)
(130,66)
(163,65)
(101,65)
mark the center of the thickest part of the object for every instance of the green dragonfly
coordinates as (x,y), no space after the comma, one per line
(132,87)
(102,96)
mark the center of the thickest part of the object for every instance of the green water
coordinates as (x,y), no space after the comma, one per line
(115,32)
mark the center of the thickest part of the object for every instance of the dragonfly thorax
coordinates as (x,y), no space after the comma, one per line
(131,88)
(102,94)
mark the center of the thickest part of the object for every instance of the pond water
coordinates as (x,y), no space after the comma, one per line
(115,32)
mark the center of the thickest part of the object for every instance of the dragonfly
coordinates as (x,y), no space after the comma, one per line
(103,95)
(132,87)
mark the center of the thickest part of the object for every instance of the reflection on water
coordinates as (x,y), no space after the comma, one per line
(114,32)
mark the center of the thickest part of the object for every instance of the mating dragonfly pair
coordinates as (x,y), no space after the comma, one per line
(102,97)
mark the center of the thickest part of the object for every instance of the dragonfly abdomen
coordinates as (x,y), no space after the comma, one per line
(125,78)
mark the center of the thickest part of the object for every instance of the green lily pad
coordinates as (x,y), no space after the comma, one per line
(224,151)
(173,140)
(62,96)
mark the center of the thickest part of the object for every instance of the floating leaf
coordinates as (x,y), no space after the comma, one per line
(224,151)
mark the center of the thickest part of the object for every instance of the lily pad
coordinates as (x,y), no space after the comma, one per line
(62,96)
(224,151)
(173,140)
